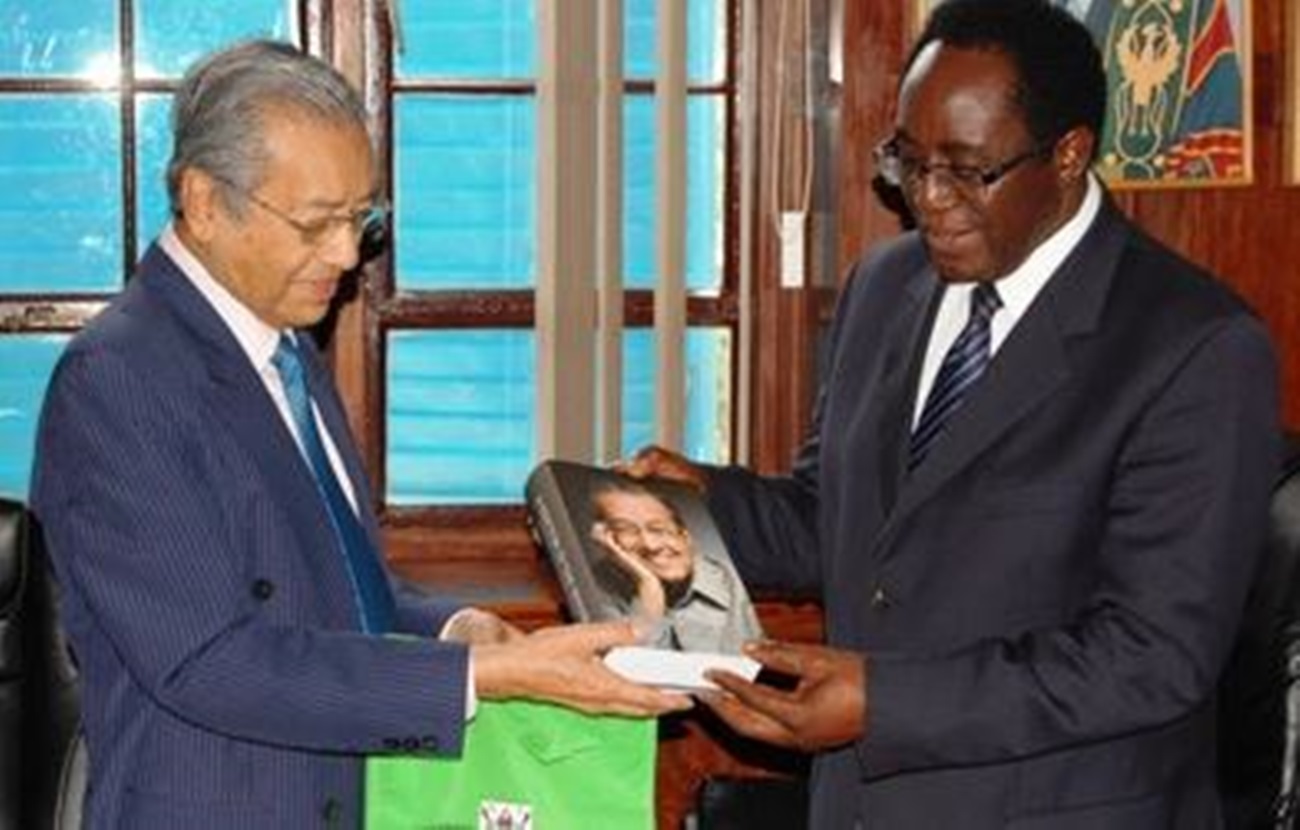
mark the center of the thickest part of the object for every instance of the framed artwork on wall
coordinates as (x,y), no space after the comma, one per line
(1180,89)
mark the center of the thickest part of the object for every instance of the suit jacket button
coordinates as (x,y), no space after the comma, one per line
(331,810)
(263,589)
(880,599)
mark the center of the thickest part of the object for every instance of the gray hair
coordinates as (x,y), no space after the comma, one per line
(219,111)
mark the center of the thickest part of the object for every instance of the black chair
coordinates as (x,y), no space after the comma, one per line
(1262,672)
(42,760)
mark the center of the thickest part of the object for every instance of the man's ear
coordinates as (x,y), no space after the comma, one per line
(200,203)
(1074,154)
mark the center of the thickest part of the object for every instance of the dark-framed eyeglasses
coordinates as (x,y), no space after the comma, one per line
(368,223)
(970,181)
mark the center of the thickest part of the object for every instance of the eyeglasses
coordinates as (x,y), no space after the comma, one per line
(369,223)
(969,181)
(630,535)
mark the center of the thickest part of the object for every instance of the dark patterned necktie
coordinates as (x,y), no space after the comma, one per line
(370,587)
(961,367)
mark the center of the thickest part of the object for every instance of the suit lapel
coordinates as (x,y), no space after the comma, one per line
(235,395)
(258,426)
(898,385)
(1030,365)
(1023,373)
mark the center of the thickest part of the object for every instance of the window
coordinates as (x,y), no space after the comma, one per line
(85,87)
(448,330)
(437,362)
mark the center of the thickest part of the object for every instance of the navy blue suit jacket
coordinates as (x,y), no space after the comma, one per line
(226,681)
(1045,604)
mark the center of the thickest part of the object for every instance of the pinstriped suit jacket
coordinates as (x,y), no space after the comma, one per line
(227,684)
(1045,603)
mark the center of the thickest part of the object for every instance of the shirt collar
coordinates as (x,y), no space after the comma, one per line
(257,339)
(1019,288)
(710,582)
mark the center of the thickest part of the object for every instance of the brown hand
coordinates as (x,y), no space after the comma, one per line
(826,708)
(657,462)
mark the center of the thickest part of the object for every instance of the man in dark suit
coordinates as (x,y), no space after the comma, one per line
(1037,481)
(208,515)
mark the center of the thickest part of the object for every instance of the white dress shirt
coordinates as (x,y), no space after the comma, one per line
(1017,291)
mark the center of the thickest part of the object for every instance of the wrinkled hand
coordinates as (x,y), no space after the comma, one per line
(476,626)
(651,601)
(563,665)
(657,462)
(826,708)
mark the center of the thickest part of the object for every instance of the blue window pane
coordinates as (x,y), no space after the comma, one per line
(60,193)
(705,164)
(59,37)
(464,191)
(171,36)
(154,140)
(468,38)
(460,416)
(706,44)
(708,392)
(26,362)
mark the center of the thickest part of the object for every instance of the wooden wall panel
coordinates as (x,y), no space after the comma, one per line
(783,364)
(1249,235)
(874,46)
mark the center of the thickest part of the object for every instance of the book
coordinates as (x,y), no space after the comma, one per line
(647,550)
(679,671)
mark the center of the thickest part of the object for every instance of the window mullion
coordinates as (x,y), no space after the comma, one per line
(748,102)
(609,232)
(670,223)
(566,213)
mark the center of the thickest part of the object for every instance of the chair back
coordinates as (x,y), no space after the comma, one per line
(40,701)
(1252,719)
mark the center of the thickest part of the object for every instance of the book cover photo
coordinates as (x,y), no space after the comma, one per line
(646,549)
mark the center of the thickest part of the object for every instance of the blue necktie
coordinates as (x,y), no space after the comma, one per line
(373,597)
(961,367)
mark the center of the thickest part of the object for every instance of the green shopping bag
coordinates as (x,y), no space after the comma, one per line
(526,766)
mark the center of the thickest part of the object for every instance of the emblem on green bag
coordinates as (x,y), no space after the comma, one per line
(500,815)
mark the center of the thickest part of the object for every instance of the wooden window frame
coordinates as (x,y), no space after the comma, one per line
(68,312)
(415,534)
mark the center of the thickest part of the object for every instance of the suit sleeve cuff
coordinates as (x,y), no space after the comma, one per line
(471,696)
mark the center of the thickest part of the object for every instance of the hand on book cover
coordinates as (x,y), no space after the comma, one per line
(656,462)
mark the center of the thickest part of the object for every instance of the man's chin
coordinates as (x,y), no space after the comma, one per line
(958,263)
(961,270)
(308,313)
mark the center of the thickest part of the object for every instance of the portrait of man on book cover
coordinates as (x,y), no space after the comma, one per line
(652,565)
